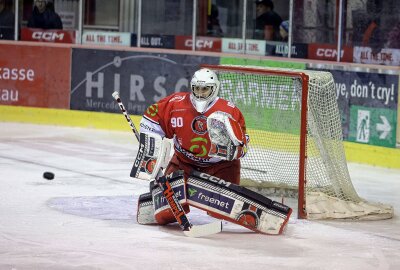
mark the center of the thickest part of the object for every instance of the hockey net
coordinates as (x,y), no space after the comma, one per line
(296,148)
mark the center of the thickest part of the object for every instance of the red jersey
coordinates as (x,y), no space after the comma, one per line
(176,118)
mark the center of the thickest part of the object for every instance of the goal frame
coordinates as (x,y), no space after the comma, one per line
(302,211)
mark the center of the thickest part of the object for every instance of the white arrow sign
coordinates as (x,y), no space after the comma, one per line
(384,127)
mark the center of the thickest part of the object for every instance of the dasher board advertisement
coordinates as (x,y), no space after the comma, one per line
(154,41)
(141,78)
(106,38)
(235,45)
(366,55)
(329,52)
(298,50)
(41,78)
(209,44)
(368,106)
(52,36)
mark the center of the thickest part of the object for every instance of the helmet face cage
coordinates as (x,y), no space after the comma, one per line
(204,86)
(203,92)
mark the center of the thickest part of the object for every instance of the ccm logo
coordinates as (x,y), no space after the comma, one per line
(139,156)
(214,179)
(328,52)
(49,36)
(199,43)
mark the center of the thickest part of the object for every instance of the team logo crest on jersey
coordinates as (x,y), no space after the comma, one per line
(199,125)
(152,110)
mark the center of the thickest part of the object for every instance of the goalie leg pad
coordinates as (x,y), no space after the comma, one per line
(227,169)
(162,212)
(145,210)
(236,204)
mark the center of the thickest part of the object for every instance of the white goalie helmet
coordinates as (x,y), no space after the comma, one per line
(204,86)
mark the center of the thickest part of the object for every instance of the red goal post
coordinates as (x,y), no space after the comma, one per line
(296,147)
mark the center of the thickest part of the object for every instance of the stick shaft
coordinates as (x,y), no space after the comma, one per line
(127,117)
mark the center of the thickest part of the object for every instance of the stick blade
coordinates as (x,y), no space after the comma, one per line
(204,230)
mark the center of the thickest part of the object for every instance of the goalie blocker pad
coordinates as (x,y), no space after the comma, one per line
(236,204)
(152,155)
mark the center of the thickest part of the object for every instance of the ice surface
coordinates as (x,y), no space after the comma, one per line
(85,217)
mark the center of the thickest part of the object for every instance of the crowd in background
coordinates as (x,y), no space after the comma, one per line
(369,23)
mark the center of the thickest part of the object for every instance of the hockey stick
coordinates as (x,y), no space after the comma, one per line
(173,202)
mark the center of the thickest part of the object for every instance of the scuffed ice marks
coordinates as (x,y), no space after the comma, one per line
(122,208)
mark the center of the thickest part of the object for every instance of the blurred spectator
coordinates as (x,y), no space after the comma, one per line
(267,21)
(213,26)
(284,30)
(394,37)
(7,20)
(44,16)
(372,36)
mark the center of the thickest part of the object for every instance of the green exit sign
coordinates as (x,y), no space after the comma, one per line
(373,126)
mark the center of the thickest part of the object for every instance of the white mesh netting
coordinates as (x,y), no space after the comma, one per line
(270,100)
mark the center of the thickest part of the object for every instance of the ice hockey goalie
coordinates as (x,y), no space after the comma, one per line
(209,138)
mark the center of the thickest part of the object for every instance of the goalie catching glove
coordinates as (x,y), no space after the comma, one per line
(228,140)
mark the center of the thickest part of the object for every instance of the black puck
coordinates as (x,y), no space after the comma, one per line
(48,175)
